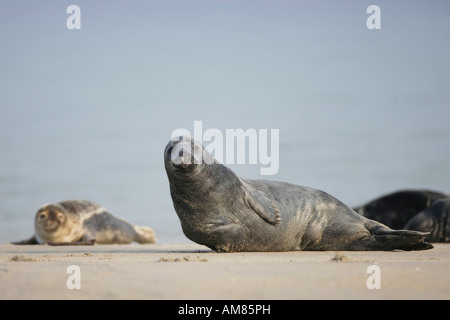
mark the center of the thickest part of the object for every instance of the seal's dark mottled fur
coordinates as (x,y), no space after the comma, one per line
(420,210)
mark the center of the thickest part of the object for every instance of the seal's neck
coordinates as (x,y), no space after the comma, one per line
(202,182)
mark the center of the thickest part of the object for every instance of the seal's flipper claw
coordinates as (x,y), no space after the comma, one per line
(261,204)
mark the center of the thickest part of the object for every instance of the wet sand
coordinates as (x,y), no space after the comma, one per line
(190,271)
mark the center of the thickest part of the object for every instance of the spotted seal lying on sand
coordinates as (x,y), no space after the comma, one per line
(226,213)
(421,210)
(81,221)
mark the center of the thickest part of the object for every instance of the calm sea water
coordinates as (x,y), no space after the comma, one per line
(87,113)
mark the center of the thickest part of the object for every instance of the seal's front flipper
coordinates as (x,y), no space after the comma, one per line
(261,204)
(227,238)
(32,240)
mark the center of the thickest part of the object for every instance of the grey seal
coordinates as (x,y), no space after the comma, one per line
(82,221)
(435,219)
(396,208)
(226,213)
(421,210)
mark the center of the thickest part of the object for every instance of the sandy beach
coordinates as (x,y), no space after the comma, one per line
(191,271)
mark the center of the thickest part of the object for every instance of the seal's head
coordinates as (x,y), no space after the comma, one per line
(51,223)
(184,155)
(194,174)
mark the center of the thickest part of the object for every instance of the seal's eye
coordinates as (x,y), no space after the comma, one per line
(42,216)
(169,151)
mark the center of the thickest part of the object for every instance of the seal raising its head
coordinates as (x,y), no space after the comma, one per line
(226,213)
(80,220)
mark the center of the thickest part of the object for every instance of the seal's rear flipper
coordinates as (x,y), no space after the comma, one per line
(383,238)
(144,234)
(261,204)
(32,240)
(404,240)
